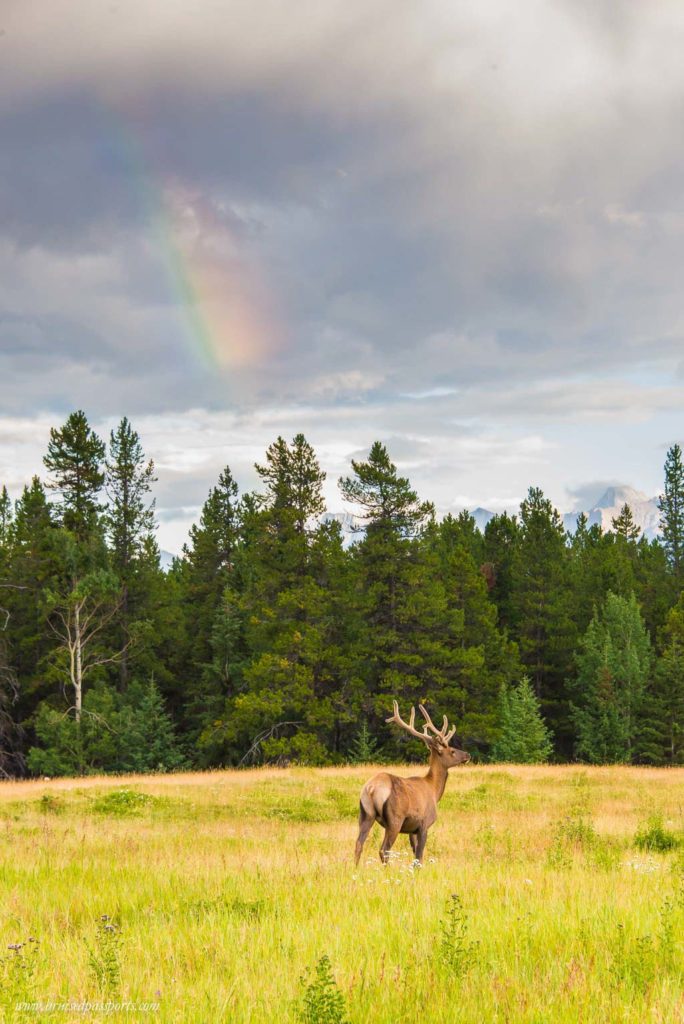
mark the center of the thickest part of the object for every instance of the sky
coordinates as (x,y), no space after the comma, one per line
(457,228)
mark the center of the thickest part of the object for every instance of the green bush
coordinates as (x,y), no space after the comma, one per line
(654,837)
(523,735)
(322,1002)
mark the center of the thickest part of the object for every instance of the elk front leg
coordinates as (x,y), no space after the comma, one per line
(389,839)
(413,840)
(421,839)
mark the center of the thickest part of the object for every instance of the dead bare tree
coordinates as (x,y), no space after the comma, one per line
(252,755)
(409,805)
(78,619)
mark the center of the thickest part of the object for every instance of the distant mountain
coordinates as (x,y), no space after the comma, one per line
(347,520)
(645,510)
(165,560)
(645,513)
(481,517)
(352,526)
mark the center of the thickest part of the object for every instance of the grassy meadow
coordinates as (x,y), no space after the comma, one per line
(211,895)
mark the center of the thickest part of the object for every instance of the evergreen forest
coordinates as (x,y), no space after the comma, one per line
(271,640)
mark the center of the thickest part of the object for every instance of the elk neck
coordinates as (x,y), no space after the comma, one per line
(437,775)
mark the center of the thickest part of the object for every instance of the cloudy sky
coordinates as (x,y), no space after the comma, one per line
(456,227)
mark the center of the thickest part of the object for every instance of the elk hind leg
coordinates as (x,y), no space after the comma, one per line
(366,822)
(413,840)
(389,839)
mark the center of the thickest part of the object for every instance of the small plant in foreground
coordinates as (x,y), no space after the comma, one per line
(17,970)
(104,959)
(655,837)
(456,953)
(666,933)
(322,1002)
(574,831)
(634,963)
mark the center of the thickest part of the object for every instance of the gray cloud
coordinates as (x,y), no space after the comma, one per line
(475,206)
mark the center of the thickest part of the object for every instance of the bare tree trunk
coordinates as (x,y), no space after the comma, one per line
(123,666)
(78,669)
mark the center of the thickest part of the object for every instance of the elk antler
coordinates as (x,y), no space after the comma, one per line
(409,726)
(440,734)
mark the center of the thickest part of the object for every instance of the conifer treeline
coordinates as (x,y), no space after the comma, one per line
(269,640)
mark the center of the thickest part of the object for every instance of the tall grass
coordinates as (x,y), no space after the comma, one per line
(233,897)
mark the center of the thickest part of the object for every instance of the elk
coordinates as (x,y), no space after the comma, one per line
(409,805)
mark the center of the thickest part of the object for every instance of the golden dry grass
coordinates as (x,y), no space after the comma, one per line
(227,886)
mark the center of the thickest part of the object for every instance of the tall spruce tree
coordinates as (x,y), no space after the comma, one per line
(130,514)
(130,522)
(151,744)
(624,525)
(207,569)
(293,690)
(543,626)
(523,736)
(613,669)
(671,505)
(480,657)
(35,564)
(11,755)
(75,459)
(501,540)
(664,711)
(293,482)
(404,649)
(6,517)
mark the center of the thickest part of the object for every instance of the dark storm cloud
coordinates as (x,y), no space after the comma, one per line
(468,218)
(455,236)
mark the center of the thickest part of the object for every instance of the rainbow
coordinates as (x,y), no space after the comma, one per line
(229,313)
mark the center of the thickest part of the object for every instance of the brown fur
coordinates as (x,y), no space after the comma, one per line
(408,806)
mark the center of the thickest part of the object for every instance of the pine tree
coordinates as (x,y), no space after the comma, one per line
(74,458)
(206,570)
(480,657)
(587,580)
(35,564)
(6,517)
(277,645)
(613,668)
(666,713)
(387,501)
(129,520)
(129,479)
(294,480)
(364,748)
(292,503)
(671,505)
(150,737)
(624,525)
(653,583)
(464,531)
(408,644)
(523,736)
(11,755)
(543,626)
(501,541)
(66,746)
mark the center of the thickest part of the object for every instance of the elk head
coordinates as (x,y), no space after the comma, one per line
(436,740)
